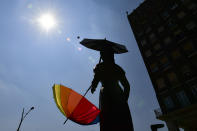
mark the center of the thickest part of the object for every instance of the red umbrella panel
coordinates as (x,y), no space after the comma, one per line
(75,106)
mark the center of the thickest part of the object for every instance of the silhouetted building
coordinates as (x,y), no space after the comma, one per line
(166,34)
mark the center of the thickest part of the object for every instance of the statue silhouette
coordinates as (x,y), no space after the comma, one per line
(115,114)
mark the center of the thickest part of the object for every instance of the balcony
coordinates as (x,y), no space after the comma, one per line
(184,117)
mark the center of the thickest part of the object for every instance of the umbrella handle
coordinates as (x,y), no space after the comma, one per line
(87,91)
(65,121)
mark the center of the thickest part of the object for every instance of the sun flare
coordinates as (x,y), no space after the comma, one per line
(47,21)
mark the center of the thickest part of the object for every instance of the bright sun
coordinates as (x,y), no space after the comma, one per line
(47,21)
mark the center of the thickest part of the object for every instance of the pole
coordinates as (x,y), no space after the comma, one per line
(23,117)
(21,120)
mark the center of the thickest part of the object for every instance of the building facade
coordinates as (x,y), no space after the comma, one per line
(166,34)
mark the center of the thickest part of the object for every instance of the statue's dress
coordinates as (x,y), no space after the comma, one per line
(115,113)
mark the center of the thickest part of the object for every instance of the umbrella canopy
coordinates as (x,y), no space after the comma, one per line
(75,106)
(103,45)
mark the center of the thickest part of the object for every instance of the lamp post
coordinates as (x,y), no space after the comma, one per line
(23,117)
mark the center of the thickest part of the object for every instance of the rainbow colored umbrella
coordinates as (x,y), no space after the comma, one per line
(75,106)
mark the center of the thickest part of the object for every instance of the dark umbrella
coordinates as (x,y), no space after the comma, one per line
(103,45)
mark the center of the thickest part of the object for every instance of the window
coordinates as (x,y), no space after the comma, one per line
(171,23)
(192,6)
(185,0)
(142,21)
(194,61)
(168,102)
(152,37)
(195,12)
(156,21)
(172,77)
(182,98)
(188,48)
(143,42)
(176,54)
(186,71)
(148,53)
(191,25)
(167,40)
(173,6)
(181,15)
(157,47)
(148,29)
(139,34)
(194,90)
(177,32)
(164,61)
(154,67)
(165,15)
(179,35)
(161,83)
(160,29)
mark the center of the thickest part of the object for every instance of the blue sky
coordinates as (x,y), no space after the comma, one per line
(32,60)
